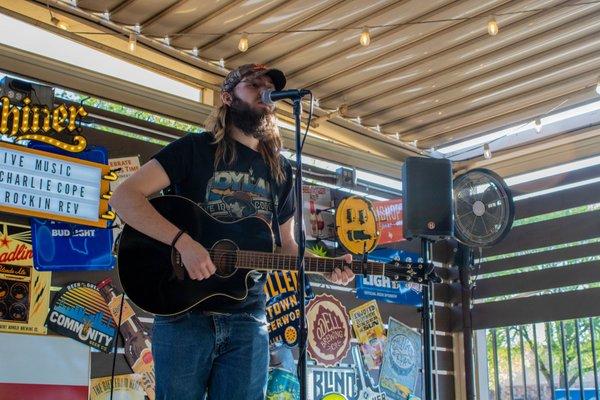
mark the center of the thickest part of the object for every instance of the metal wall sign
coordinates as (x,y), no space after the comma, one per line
(328,330)
(53,186)
(283,307)
(24,292)
(400,375)
(81,247)
(322,381)
(382,288)
(80,312)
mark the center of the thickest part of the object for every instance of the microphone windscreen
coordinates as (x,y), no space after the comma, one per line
(265,97)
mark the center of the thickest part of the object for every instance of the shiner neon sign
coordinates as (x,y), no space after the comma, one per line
(52,186)
(31,122)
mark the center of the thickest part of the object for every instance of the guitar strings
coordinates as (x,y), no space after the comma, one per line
(315,263)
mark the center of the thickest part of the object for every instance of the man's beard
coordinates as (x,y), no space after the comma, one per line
(260,124)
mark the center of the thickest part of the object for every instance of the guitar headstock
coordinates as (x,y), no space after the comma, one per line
(408,271)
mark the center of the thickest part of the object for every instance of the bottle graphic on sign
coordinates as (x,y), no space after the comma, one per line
(137,346)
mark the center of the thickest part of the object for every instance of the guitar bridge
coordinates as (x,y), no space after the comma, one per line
(177,265)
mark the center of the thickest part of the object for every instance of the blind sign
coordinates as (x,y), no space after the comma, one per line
(52,186)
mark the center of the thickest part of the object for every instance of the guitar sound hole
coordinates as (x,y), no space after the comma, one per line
(223,255)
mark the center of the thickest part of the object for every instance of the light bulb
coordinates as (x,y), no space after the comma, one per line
(60,24)
(365,37)
(132,42)
(537,124)
(195,52)
(243,44)
(598,86)
(222,63)
(487,152)
(492,27)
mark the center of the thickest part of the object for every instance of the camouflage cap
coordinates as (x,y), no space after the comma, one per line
(247,70)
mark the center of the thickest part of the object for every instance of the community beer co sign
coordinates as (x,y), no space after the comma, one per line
(52,186)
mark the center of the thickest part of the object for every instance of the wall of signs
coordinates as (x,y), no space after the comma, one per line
(350,349)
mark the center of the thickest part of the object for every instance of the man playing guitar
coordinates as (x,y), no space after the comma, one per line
(234,170)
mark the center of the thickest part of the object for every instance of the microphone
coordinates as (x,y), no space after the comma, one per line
(271,96)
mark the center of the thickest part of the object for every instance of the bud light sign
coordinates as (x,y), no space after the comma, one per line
(377,287)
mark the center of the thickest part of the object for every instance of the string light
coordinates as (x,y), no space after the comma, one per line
(59,24)
(243,44)
(365,37)
(487,152)
(132,42)
(492,27)
(537,124)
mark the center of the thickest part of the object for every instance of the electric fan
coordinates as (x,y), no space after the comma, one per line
(484,208)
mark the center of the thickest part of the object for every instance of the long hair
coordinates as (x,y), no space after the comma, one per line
(269,147)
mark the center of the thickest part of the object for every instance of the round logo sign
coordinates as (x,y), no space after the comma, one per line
(328,330)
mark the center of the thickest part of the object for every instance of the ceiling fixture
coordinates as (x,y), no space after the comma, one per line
(365,37)
(537,124)
(243,44)
(487,152)
(59,24)
(492,27)
(132,42)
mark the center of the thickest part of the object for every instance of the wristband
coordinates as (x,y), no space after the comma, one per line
(176,238)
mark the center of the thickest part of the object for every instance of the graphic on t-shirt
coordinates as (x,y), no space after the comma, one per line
(231,195)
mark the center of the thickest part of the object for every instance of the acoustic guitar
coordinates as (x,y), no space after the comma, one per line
(155,279)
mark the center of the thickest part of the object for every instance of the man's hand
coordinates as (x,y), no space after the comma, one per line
(341,277)
(195,257)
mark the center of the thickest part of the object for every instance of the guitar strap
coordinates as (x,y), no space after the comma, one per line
(275,203)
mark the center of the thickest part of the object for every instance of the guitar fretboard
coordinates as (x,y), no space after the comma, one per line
(283,262)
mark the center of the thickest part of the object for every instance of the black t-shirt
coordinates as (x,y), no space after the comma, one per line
(228,193)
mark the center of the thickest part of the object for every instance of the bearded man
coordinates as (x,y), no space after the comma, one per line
(220,347)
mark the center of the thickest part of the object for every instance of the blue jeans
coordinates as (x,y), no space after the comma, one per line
(222,356)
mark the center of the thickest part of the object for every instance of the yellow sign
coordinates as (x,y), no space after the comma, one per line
(52,186)
(356,225)
(24,292)
(125,387)
(36,123)
(369,330)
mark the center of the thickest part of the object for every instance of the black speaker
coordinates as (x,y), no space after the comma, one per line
(427,206)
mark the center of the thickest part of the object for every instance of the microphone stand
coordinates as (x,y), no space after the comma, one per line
(300,237)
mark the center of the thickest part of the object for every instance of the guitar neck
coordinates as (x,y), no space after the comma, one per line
(283,262)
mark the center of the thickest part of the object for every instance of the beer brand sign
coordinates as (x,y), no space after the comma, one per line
(24,292)
(56,127)
(80,312)
(283,307)
(52,186)
(328,330)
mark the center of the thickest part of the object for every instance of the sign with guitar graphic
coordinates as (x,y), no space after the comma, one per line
(356,225)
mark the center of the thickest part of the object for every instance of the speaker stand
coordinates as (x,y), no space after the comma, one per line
(427,315)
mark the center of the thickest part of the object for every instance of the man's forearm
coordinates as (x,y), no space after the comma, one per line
(135,210)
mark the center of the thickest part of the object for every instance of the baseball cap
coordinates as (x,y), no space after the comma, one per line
(253,70)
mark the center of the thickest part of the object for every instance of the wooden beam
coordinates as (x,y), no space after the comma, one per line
(567,253)
(563,200)
(550,278)
(552,307)
(541,234)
